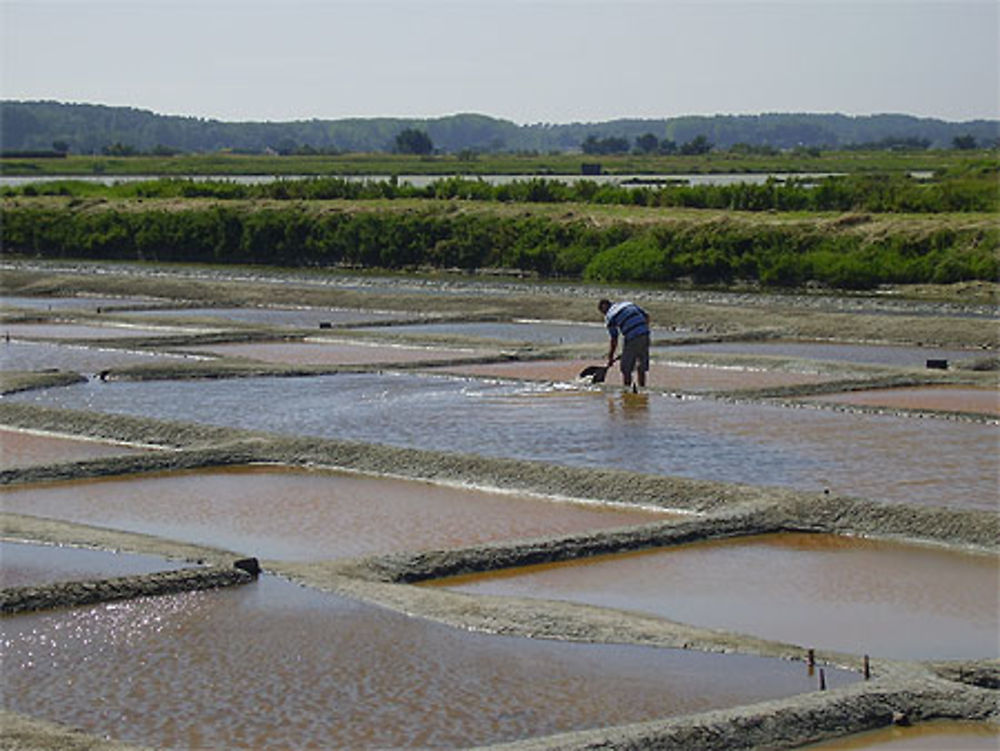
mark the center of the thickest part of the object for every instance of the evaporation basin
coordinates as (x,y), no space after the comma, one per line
(309,515)
(272,665)
(814,590)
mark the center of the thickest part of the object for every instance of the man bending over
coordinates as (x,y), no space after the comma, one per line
(632,322)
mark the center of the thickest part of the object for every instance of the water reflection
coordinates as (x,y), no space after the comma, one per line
(271,666)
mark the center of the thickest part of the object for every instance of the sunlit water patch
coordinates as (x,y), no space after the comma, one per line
(309,515)
(852,595)
(26,564)
(876,456)
(273,666)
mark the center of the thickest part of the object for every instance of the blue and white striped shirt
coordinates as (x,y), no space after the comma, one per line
(628,318)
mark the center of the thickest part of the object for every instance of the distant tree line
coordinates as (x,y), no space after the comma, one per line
(92,129)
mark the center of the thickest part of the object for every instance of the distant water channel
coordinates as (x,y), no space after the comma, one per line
(884,457)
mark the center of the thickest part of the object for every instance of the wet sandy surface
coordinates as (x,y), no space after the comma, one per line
(273,665)
(981,401)
(23,564)
(331,352)
(870,354)
(301,515)
(925,736)
(852,595)
(17,355)
(875,456)
(82,331)
(693,378)
(19,449)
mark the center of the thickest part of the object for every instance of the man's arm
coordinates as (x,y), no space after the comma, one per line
(612,347)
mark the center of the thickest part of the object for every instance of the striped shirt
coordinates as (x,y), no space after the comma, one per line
(628,318)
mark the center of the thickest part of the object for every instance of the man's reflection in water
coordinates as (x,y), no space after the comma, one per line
(628,406)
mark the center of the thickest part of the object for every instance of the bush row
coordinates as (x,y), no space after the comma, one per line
(972,191)
(713,252)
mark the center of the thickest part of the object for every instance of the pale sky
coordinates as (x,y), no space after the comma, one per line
(529,61)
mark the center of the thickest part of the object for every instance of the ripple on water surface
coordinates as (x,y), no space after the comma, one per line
(303,515)
(875,456)
(845,594)
(272,665)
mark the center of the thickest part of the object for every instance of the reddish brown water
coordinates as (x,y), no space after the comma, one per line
(25,564)
(332,353)
(951,398)
(301,515)
(19,449)
(925,736)
(660,376)
(276,666)
(853,595)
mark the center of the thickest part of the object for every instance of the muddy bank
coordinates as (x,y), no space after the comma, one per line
(12,381)
(18,600)
(21,733)
(790,723)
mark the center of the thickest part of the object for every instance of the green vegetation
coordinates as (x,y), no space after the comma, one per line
(473,163)
(593,242)
(969,187)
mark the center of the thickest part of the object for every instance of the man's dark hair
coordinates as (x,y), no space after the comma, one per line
(602,303)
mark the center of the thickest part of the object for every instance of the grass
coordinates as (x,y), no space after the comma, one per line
(226,164)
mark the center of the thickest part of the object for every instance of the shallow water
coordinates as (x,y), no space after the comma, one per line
(870,354)
(332,352)
(882,457)
(940,735)
(272,665)
(26,564)
(19,449)
(75,303)
(303,515)
(44,355)
(678,377)
(845,594)
(297,318)
(84,331)
(950,398)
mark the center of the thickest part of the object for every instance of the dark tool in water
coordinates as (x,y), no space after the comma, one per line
(596,373)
